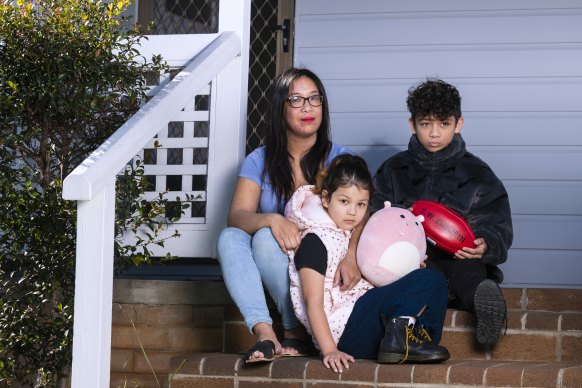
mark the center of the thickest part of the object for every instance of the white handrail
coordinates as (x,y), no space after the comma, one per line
(92,184)
(91,176)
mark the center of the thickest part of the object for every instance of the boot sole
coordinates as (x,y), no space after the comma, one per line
(490,312)
(395,358)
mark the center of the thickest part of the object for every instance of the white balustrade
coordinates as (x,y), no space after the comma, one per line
(92,183)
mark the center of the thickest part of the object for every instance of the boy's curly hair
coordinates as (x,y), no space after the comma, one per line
(434,97)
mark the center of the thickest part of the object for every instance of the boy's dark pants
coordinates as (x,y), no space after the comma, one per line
(405,297)
(463,276)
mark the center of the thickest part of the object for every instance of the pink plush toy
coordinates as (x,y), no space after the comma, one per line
(392,244)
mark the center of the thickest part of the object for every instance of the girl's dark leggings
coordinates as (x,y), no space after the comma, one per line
(405,297)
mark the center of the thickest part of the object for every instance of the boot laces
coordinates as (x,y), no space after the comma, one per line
(410,336)
(420,331)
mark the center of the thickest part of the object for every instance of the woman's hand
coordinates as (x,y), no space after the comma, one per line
(243,215)
(473,253)
(337,361)
(347,274)
(285,232)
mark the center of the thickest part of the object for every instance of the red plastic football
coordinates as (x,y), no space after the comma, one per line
(444,228)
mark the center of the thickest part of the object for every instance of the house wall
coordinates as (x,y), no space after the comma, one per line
(518,67)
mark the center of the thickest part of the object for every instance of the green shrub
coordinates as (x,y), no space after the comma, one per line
(69,77)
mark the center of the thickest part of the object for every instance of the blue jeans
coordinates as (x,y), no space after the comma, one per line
(250,262)
(405,297)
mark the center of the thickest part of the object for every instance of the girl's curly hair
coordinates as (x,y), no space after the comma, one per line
(434,97)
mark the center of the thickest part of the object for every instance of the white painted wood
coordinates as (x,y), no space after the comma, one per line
(173,194)
(518,67)
(92,183)
(168,142)
(227,146)
(93,289)
(162,169)
(178,49)
(90,177)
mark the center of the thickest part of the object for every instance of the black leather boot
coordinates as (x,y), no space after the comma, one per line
(401,343)
(490,312)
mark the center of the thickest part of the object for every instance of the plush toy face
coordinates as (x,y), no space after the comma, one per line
(392,244)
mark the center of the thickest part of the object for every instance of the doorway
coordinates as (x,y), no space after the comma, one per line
(271,23)
(271,43)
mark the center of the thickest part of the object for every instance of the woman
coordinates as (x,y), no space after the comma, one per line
(253,249)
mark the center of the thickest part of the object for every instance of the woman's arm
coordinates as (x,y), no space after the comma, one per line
(348,274)
(243,215)
(312,287)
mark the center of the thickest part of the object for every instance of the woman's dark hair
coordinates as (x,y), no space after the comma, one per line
(344,170)
(434,97)
(277,165)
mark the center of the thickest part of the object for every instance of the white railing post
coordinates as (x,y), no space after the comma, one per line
(92,184)
(93,289)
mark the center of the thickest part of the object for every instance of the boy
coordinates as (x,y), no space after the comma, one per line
(438,167)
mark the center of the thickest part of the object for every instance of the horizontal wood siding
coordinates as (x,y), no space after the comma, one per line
(518,67)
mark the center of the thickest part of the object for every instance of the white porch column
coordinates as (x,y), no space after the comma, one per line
(229,119)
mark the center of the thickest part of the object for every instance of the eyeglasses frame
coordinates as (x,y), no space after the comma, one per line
(321,97)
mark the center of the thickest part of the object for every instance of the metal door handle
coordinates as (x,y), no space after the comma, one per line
(285,27)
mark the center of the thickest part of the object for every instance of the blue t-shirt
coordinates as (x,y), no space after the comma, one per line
(252,169)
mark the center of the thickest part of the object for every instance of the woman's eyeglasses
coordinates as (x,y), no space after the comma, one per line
(299,101)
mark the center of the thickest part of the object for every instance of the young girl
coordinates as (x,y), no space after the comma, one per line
(364,322)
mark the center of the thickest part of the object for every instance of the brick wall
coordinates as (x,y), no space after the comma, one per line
(154,321)
(163,319)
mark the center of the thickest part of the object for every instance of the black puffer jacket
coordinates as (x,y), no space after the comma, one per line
(455,178)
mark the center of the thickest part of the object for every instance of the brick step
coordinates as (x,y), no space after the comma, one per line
(229,370)
(542,325)
(156,321)
(530,336)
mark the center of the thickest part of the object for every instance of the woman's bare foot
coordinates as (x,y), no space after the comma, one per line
(264,331)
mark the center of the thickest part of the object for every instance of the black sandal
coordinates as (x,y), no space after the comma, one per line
(298,344)
(267,347)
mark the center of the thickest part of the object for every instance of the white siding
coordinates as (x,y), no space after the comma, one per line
(518,67)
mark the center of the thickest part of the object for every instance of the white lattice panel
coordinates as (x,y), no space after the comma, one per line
(178,166)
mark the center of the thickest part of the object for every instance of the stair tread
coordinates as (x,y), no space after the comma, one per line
(542,345)
(202,367)
(523,320)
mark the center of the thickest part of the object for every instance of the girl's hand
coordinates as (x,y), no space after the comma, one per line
(473,253)
(337,361)
(286,233)
(423,262)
